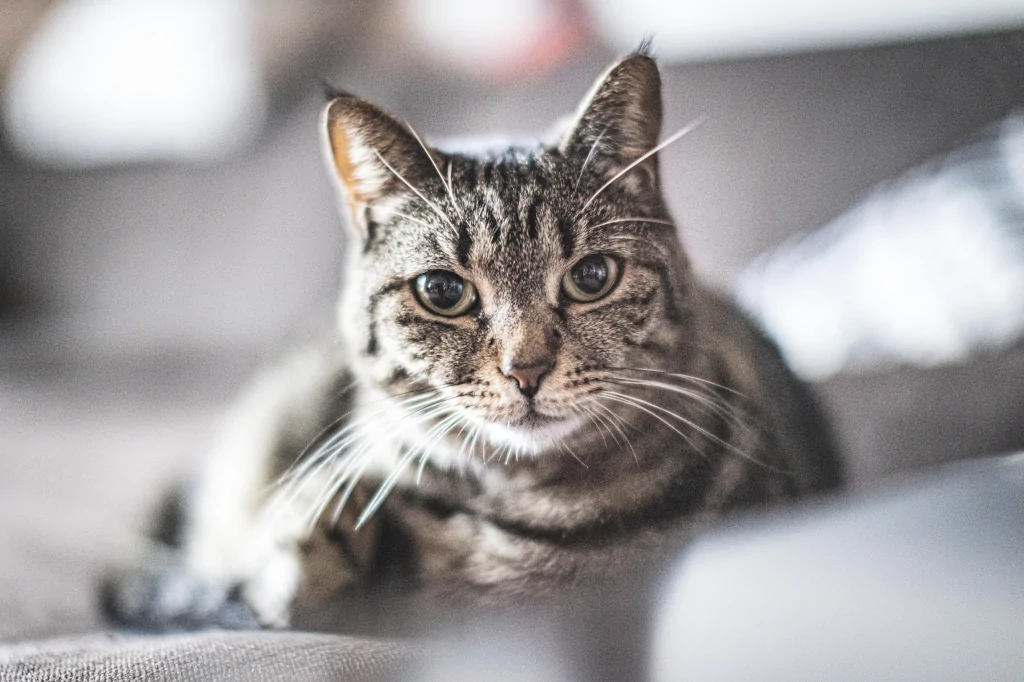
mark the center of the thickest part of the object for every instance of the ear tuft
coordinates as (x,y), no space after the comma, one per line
(646,47)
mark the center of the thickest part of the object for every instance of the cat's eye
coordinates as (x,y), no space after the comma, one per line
(444,293)
(591,278)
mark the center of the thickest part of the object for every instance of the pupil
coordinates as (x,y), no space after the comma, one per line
(590,274)
(444,289)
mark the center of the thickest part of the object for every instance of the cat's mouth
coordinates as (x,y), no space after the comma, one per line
(533,420)
(532,432)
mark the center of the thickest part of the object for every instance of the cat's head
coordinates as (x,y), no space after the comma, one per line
(515,282)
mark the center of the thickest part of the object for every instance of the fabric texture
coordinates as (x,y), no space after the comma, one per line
(265,656)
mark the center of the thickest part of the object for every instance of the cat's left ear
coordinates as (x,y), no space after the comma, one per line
(373,156)
(620,118)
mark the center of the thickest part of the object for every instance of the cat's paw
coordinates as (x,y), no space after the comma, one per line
(168,598)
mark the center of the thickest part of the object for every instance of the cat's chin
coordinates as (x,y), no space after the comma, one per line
(532,434)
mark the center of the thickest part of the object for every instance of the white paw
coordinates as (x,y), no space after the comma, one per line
(271,590)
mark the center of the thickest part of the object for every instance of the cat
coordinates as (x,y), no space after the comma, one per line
(528,389)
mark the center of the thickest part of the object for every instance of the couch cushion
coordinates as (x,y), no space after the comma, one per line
(265,656)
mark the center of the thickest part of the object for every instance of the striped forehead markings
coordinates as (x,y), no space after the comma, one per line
(566,236)
(495,226)
(531,220)
(464,245)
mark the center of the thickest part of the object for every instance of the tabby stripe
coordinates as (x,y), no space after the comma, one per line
(469,183)
(531,221)
(495,227)
(672,312)
(372,346)
(371,235)
(388,288)
(535,171)
(682,496)
(567,237)
(465,243)
(410,319)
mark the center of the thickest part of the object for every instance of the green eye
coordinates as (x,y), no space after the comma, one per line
(444,293)
(591,278)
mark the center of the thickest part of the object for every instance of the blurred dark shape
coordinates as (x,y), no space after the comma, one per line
(15,300)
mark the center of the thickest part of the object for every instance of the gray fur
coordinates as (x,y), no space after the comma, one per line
(662,408)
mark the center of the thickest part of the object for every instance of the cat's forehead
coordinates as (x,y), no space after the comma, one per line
(494,210)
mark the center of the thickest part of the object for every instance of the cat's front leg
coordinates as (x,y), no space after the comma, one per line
(225,566)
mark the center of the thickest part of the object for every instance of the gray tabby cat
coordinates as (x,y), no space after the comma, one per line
(529,389)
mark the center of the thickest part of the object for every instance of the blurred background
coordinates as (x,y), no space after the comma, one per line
(166,224)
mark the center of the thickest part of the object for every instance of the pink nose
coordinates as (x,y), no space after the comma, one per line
(528,378)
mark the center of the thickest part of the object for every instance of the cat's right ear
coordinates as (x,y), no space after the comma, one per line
(371,156)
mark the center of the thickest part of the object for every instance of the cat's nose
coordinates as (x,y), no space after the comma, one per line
(528,377)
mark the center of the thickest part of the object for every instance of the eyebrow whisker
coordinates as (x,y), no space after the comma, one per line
(690,127)
(415,191)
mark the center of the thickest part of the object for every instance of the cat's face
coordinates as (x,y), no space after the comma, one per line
(514,283)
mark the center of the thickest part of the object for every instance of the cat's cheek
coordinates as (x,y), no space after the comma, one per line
(446,355)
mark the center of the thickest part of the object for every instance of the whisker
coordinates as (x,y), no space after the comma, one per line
(699,429)
(356,476)
(687,129)
(477,430)
(707,403)
(423,408)
(632,402)
(451,192)
(349,475)
(562,443)
(590,155)
(304,453)
(384,488)
(421,223)
(617,422)
(331,446)
(442,428)
(684,377)
(447,186)
(415,191)
(448,423)
(464,437)
(655,221)
(589,414)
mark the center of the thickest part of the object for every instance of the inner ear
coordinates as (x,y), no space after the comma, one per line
(374,156)
(620,118)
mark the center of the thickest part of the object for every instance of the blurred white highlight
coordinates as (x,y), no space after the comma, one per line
(116,81)
(924,272)
(731,28)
